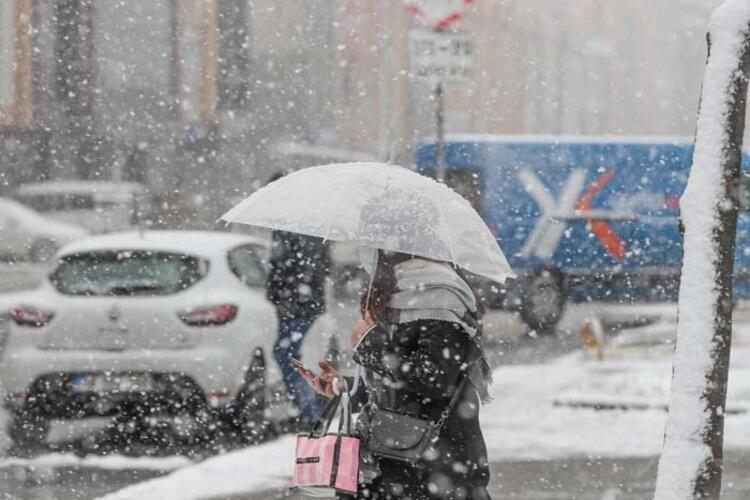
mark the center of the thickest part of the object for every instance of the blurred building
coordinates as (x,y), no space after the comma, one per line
(176,94)
(208,97)
(586,67)
(23,146)
(373,90)
(542,67)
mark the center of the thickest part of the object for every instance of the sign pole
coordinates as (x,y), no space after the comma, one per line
(439,56)
(440,131)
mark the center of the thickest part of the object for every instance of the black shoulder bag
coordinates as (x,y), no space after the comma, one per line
(402,437)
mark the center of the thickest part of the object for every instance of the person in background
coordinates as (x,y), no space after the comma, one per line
(299,266)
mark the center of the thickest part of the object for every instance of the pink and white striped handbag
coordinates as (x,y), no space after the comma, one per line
(327,462)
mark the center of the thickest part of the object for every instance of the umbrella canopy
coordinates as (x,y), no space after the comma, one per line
(381,206)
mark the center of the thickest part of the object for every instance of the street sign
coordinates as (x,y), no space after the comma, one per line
(441,56)
(438,14)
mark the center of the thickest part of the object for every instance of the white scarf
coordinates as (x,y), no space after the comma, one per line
(429,290)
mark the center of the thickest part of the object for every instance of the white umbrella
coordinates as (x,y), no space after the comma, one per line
(380,206)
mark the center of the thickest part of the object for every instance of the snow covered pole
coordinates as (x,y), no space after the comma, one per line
(691,462)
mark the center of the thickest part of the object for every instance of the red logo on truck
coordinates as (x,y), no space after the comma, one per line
(603,231)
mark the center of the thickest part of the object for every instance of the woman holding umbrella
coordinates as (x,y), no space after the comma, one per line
(420,337)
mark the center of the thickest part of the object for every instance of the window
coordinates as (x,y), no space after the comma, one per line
(127,273)
(245,264)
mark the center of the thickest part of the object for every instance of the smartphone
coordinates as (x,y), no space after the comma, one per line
(296,362)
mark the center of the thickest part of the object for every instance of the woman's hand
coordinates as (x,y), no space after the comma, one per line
(361,327)
(324,383)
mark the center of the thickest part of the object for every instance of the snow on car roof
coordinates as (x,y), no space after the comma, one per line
(13,207)
(210,244)
(78,186)
(41,224)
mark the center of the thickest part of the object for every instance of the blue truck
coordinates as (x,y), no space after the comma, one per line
(581,218)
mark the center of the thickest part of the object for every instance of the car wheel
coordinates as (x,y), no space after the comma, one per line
(42,250)
(543,300)
(250,405)
(28,431)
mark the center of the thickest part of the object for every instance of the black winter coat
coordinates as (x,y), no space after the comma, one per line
(418,367)
(299,266)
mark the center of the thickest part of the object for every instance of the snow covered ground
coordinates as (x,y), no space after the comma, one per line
(109,462)
(259,468)
(539,411)
(549,411)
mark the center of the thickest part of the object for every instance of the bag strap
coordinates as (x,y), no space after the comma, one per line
(355,382)
(345,412)
(324,421)
(454,399)
(340,405)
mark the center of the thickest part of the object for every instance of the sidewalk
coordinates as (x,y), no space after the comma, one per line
(578,478)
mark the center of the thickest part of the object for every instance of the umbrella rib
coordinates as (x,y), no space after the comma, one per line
(330,218)
(448,234)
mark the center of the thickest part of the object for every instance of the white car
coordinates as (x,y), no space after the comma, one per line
(166,319)
(99,206)
(27,235)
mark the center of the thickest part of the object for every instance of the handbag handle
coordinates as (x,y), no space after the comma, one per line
(324,421)
(345,419)
(344,411)
(338,405)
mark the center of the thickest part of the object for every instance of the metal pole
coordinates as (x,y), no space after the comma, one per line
(440,128)
(384,82)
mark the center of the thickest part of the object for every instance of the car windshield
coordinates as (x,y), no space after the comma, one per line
(127,272)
